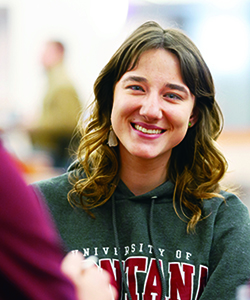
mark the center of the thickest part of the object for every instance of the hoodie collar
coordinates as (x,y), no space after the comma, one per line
(163,191)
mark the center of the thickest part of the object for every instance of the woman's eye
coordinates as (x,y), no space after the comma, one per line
(136,88)
(173,96)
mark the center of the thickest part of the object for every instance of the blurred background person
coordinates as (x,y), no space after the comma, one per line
(54,130)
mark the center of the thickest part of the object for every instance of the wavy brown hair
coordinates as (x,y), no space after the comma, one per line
(196,165)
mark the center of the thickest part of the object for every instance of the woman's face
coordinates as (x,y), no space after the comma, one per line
(152,107)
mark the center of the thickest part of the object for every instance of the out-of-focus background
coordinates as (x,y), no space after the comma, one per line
(91,30)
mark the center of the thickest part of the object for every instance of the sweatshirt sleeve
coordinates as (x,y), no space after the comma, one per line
(30,256)
(230,252)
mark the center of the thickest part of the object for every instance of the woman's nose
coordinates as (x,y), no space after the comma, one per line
(150,107)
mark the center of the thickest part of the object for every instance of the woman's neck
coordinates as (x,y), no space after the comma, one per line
(142,176)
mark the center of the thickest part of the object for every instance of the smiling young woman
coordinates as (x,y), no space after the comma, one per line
(151,110)
(196,165)
(144,195)
(152,119)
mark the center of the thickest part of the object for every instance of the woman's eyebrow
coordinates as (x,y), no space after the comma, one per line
(135,78)
(172,86)
(178,87)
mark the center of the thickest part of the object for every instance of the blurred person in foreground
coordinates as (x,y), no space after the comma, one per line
(145,195)
(54,130)
(243,292)
(31,261)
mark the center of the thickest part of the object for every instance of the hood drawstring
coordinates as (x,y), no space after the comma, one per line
(123,277)
(155,250)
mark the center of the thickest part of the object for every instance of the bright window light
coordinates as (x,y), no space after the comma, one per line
(107,17)
(174,1)
(224,43)
(226,4)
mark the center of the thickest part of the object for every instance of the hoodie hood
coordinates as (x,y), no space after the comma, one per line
(74,166)
(161,193)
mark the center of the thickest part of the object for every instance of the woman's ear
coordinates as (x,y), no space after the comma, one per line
(194,116)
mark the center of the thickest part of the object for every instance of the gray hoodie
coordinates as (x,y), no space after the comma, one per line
(145,246)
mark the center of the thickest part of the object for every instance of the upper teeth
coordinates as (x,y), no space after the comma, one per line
(144,130)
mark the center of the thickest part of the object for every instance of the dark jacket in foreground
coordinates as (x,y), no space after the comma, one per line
(30,256)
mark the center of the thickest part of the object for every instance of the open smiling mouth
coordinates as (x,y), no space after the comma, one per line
(148,131)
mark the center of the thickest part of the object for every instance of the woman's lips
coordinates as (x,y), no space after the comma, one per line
(147,129)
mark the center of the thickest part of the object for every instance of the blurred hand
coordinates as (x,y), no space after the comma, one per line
(90,283)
